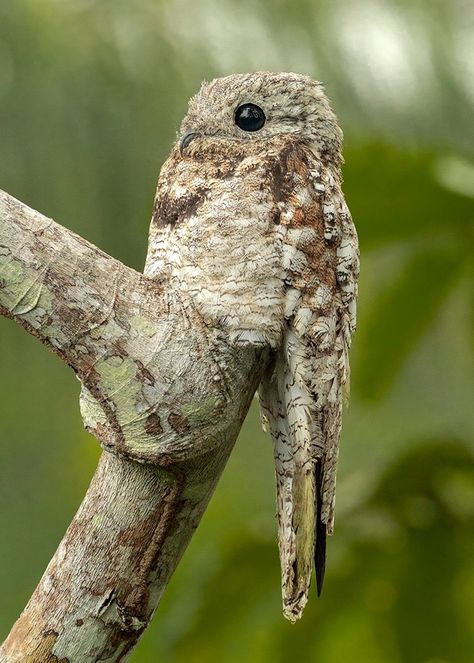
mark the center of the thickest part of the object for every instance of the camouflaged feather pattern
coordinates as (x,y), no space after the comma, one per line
(253,231)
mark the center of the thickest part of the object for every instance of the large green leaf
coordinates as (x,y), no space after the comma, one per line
(393,195)
(400,315)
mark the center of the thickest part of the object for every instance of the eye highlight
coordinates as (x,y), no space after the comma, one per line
(249,117)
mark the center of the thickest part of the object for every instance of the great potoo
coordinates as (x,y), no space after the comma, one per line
(251,229)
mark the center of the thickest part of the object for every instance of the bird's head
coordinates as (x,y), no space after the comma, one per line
(262,106)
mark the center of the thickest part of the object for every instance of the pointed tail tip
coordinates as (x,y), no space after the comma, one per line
(321,533)
(320,555)
(320,564)
(319,584)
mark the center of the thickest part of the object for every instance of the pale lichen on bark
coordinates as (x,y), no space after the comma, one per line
(163,393)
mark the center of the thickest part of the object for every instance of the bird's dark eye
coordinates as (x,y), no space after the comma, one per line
(249,117)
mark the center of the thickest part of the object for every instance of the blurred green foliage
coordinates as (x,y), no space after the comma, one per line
(91,94)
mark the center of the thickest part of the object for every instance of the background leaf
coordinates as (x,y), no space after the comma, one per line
(401,314)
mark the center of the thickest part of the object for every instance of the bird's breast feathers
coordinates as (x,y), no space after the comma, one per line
(244,234)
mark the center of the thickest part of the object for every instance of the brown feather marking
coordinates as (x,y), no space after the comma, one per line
(170,210)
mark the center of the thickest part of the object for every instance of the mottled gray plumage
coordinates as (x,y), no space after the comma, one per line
(252,230)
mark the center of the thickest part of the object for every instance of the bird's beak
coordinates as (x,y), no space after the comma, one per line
(186,140)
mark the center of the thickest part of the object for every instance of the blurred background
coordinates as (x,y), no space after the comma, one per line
(91,94)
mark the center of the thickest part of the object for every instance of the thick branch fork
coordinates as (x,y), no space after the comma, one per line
(162,391)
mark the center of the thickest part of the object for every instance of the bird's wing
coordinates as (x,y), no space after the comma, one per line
(302,395)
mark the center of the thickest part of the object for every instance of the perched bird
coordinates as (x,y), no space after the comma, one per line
(251,226)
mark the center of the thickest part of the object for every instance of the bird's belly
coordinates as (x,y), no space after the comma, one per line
(229,264)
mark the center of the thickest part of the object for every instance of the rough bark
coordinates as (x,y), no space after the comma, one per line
(163,393)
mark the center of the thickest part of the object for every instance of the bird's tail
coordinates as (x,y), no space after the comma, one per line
(286,409)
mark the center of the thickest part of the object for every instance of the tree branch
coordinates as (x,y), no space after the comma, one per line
(159,387)
(54,283)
